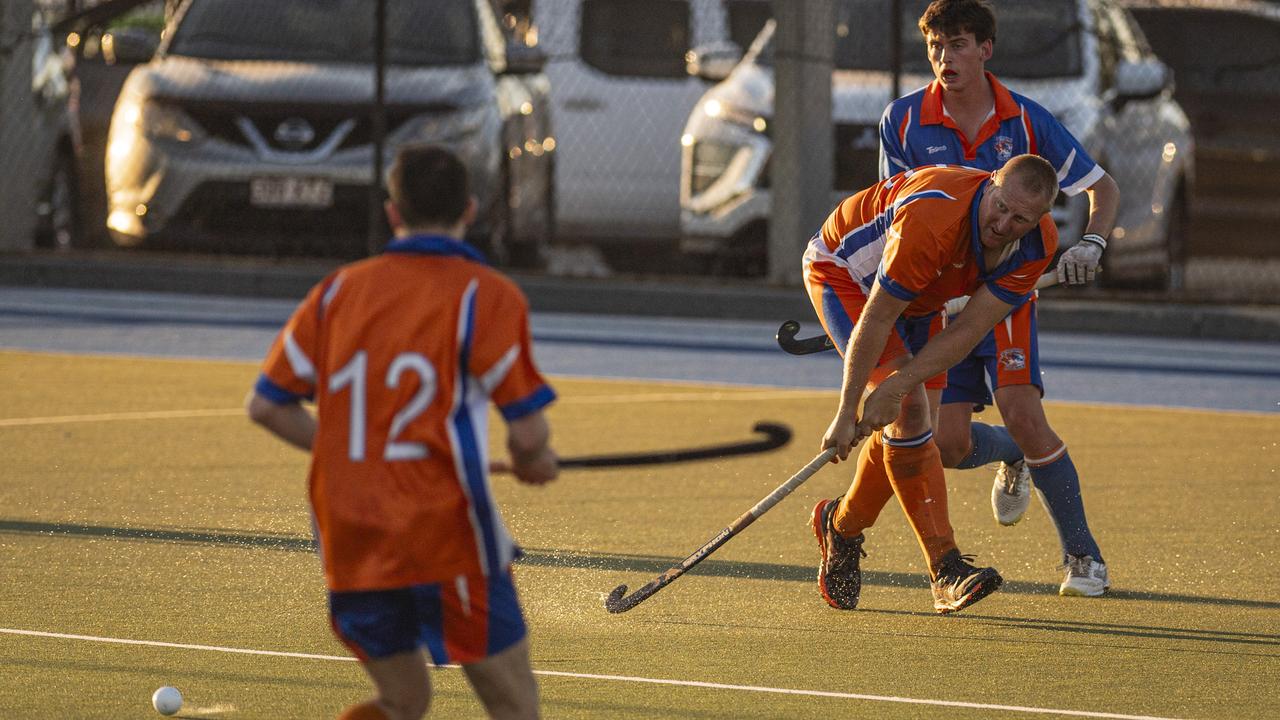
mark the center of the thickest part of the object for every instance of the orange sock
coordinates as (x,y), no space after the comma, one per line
(870,491)
(915,470)
(363,711)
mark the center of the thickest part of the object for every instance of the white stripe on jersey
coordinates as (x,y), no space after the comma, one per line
(303,368)
(498,372)
(1085,182)
(1026,128)
(1066,166)
(459,466)
(331,292)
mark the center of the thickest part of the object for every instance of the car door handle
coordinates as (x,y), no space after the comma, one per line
(583,104)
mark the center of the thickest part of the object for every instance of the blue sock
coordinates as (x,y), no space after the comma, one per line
(990,443)
(1059,487)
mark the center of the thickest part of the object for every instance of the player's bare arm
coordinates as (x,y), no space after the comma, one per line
(945,349)
(290,422)
(866,344)
(532,459)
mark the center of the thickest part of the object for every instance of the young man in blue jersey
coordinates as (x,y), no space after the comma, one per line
(968,117)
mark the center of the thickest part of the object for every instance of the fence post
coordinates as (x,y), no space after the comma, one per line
(802,165)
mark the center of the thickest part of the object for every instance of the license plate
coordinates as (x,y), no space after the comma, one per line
(290,192)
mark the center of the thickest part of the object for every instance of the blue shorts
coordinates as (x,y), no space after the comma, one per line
(1008,355)
(461,622)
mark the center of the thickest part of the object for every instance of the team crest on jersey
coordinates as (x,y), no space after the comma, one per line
(1004,147)
(1013,359)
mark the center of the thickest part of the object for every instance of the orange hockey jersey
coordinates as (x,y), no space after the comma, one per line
(916,234)
(402,354)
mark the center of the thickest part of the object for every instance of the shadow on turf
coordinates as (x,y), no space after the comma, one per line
(639,564)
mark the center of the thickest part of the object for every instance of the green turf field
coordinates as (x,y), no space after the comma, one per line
(139,504)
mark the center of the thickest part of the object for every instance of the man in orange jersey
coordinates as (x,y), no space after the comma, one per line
(402,353)
(878,273)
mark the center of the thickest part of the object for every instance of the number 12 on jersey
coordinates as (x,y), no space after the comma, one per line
(355,375)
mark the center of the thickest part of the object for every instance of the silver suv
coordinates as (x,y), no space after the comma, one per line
(1089,66)
(250,129)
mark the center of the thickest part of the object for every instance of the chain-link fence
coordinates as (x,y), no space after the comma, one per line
(611,125)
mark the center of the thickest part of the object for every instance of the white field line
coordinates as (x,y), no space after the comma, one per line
(108,417)
(617,678)
(587,400)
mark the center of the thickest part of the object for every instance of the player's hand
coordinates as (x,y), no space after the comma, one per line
(1079,264)
(538,469)
(843,435)
(879,409)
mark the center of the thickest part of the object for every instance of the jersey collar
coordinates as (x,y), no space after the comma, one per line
(975,231)
(933,113)
(434,245)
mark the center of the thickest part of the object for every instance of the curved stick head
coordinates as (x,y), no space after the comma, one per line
(614,603)
(787,331)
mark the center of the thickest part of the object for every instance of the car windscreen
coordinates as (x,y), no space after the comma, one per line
(1034,39)
(1215,51)
(439,32)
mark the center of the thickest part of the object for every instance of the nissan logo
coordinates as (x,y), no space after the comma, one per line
(294,133)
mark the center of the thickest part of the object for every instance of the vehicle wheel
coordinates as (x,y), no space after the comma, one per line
(60,208)
(1176,243)
(529,251)
(493,236)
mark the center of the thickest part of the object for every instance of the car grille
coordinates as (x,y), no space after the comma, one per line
(220,121)
(219,217)
(710,160)
(857,159)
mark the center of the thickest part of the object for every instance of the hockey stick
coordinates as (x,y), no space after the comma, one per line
(775,436)
(788,341)
(617,603)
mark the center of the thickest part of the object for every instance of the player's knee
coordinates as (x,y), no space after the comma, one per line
(915,418)
(953,447)
(408,704)
(1024,416)
(513,708)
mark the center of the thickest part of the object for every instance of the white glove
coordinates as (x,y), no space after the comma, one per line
(1079,265)
(955,305)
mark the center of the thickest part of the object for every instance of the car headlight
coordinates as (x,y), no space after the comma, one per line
(710,160)
(455,127)
(154,119)
(716,109)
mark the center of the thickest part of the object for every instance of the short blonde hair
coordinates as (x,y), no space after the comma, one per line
(1033,174)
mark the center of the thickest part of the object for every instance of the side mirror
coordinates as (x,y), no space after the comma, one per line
(128,46)
(714,61)
(48,70)
(524,60)
(1139,80)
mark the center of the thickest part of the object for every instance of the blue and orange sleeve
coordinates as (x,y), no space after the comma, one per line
(288,371)
(503,355)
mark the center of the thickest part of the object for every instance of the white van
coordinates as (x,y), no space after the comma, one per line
(621,94)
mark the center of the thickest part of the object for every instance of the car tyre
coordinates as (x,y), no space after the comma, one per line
(60,227)
(1176,243)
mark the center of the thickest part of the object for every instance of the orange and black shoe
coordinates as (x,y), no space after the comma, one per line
(839,576)
(957,584)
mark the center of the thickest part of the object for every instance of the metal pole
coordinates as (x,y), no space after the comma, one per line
(802,165)
(378,119)
(895,49)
